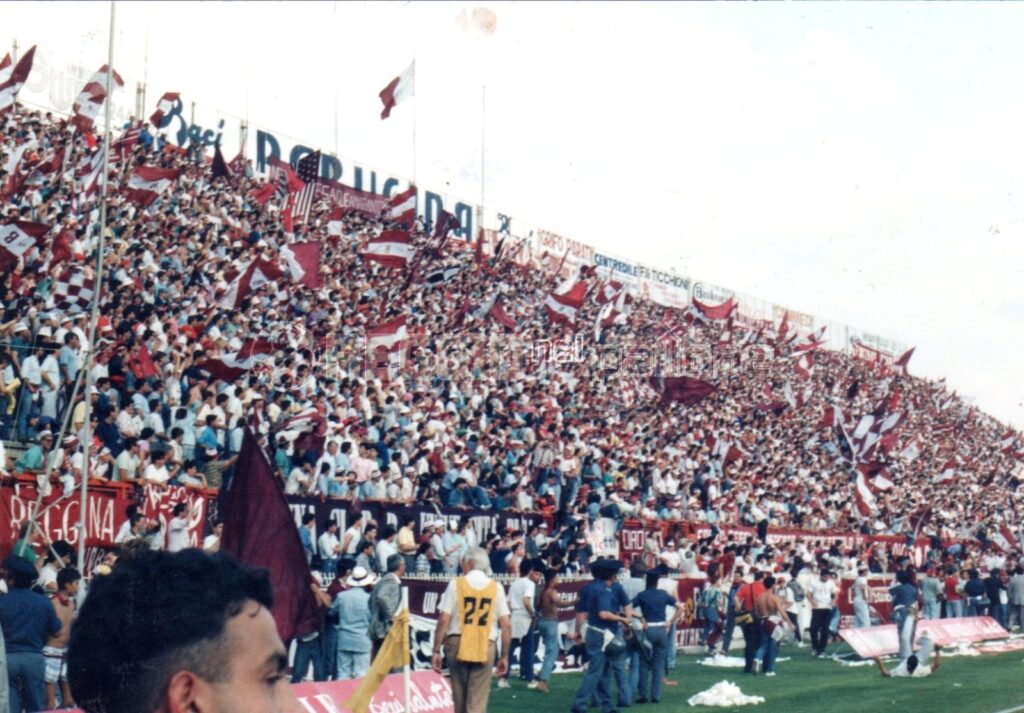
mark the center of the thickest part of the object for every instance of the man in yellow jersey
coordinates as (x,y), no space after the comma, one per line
(473,609)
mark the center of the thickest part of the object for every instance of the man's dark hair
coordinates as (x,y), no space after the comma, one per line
(157,613)
(68,575)
(912,662)
(308,518)
(769,582)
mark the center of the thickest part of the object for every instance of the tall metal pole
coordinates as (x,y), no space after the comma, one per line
(483,162)
(95,314)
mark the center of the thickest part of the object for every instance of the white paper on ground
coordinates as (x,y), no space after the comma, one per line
(723,694)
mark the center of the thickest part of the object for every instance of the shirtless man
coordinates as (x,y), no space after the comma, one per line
(56,647)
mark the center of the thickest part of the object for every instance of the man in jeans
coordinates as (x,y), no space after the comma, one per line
(770,615)
(522,597)
(746,596)
(652,603)
(904,611)
(27,619)
(823,596)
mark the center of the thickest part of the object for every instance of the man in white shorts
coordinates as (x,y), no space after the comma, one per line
(54,653)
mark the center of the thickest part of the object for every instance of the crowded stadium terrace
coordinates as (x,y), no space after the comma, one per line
(774,433)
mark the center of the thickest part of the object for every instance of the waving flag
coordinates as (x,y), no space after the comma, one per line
(258,273)
(148,182)
(398,90)
(307,170)
(303,262)
(721,311)
(563,305)
(163,107)
(15,78)
(389,334)
(90,100)
(684,389)
(863,498)
(1003,539)
(229,367)
(18,238)
(74,290)
(392,248)
(401,208)
(904,361)
(498,313)
(607,292)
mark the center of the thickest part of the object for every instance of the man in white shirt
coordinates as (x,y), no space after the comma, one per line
(522,596)
(300,480)
(822,594)
(386,546)
(156,472)
(177,528)
(353,535)
(914,666)
(329,548)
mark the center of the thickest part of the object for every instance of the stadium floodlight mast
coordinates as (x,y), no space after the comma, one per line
(94,315)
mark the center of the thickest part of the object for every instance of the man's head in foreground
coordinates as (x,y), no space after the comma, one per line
(182,633)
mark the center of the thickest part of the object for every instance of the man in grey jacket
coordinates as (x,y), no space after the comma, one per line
(386,600)
(1015,595)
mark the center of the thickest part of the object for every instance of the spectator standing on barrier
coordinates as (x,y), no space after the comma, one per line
(904,611)
(406,542)
(306,536)
(353,535)
(522,598)
(472,613)
(329,548)
(177,528)
(976,594)
(1015,596)
(652,603)
(386,600)
(746,597)
(823,593)
(28,620)
(951,594)
(352,608)
(995,590)
(861,608)
(55,651)
(385,547)
(712,603)
(931,594)
(548,628)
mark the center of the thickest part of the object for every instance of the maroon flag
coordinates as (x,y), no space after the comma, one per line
(264,193)
(721,311)
(502,317)
(684,389)
(563,306)
(229,367)
(904,361)
(398,90)
(219,167)
(237,166)
(163,107)
(10,86)
(147,183)
(18,238)
(401,208)
(445,222)
(303,262)
(90,100)
(259,531)
(258,273)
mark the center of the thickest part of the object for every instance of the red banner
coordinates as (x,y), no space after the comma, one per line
(59,516)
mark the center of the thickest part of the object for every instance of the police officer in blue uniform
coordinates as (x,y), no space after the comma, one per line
(600,605)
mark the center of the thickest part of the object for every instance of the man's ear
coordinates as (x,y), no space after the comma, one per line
(187,693)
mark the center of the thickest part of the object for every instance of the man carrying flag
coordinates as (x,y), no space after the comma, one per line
(393,653)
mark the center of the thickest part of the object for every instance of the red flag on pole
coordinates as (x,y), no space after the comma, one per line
(259,531)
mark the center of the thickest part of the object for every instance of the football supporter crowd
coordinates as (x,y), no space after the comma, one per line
(483,398)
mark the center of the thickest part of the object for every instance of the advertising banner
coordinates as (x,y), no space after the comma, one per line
(431,693)
(59,516)
(871,641)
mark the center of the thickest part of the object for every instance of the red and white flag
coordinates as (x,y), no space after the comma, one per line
(804,366)
(499,315)
(303,263)
(721,311)
(91,173)
(164,107)
(563,305)
(948,472)
(258,273)
(401,208)
(90,100)
(147,183)
(74,290)
(1004,539)
(863,498)
(335,221)
(833,416)
(392,248)
(229,367)
(6,67)
(904,361)
(13,80)
(1007,441)
(390,335)
(18,238)
(911,451)
(608,292)
(398,90)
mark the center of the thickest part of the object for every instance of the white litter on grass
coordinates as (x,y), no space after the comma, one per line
(723,694)
(844,662)
(723,661)
(960,649)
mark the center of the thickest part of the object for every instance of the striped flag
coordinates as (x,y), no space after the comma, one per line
(13,80)
(90,100)
(307,170)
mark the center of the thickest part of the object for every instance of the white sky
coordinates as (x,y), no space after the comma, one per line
(857,161)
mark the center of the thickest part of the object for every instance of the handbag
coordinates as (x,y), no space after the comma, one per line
(614,645)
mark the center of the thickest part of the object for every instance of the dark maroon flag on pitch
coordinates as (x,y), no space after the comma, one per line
(259,531)
(681,388)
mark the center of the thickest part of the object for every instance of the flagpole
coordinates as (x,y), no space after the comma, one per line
(406,671)
(483,155)
(94,316)
(414,120)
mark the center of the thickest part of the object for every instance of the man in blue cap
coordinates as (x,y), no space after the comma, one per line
(598,605)
(27,619)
